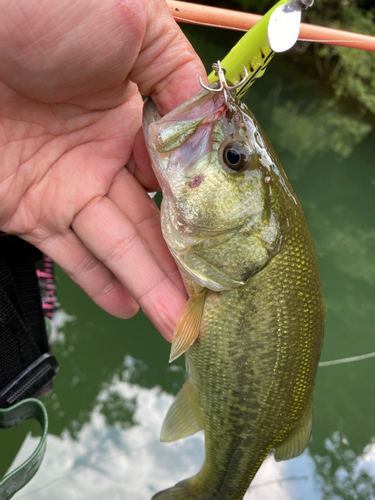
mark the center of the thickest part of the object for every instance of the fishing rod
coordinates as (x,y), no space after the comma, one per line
(204,15)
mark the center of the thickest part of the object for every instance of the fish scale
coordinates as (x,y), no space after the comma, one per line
(280,387)
(252,365)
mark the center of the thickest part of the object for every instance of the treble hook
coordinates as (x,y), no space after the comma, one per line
(224,87)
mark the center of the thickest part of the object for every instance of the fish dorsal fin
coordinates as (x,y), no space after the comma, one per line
(297,441)
(183,417)
(188,324)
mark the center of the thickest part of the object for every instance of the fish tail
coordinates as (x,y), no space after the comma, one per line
(182,491)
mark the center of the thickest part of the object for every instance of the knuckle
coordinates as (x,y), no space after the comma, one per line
(120,249)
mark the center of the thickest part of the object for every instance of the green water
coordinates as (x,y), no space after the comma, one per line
(115,383)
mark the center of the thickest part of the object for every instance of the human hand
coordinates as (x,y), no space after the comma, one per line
(69,112)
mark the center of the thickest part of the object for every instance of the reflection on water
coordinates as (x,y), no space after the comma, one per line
(338,132)
(117,454)
(353,247)
(349,476)
(115,384)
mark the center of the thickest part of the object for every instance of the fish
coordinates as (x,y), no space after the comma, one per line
(252,329)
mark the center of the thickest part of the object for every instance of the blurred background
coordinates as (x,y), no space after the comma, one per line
(317,105)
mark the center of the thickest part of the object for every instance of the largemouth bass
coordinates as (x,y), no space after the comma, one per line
(253,326)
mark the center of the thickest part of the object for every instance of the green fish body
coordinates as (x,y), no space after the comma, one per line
(253,327)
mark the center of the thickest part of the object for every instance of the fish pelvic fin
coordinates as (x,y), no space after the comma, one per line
(185,490)
(188,324)
(183,417)
(298,440)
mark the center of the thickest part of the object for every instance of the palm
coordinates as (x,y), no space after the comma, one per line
(69,113)
(76,156)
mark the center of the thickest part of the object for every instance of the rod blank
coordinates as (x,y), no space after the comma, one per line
(204,15)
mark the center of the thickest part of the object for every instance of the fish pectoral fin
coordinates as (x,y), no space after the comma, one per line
(206,274)
(297,441)
(188,324)
(183,417)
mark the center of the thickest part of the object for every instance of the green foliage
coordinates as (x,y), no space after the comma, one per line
(320,128)
(351,71)
(357,77)
(259,6)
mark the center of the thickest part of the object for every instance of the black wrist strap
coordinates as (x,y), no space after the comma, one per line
(26,365)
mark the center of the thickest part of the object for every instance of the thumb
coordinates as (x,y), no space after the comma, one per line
(167,67)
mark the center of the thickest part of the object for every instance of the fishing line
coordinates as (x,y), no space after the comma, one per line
(279,480)
(334,41)
(88,466)
(347,360)
(201,23)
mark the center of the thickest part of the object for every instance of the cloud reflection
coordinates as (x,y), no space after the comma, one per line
(107,461)
(110,460)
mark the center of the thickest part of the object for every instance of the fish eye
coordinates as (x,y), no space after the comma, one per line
(237,156)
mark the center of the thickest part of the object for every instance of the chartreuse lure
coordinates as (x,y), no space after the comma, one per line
(277,31)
